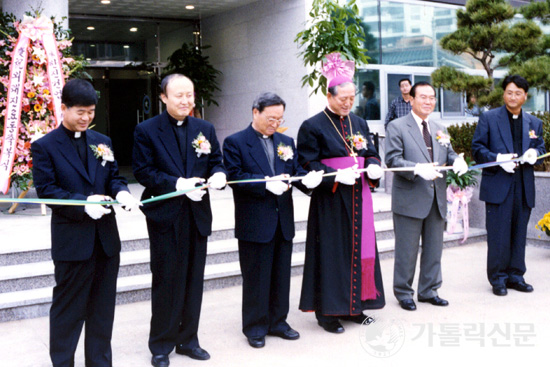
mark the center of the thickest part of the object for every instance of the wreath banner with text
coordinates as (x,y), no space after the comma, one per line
(36,36)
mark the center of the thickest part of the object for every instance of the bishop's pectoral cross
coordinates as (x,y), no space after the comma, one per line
(354,155)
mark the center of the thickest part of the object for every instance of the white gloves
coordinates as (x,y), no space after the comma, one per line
(374,171)
(127,201)
(313,179)
(427,171)
(460,166)
(217,181)
(347,176)
(96,211)
(184,184)
(277,187)
(530,156)
(509,166)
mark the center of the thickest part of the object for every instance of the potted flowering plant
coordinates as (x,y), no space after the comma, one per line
(544,224)
(459,193)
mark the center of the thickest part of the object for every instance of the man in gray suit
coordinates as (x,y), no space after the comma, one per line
(419,201)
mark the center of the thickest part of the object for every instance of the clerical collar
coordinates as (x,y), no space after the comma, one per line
(73,134)
(333,114)
(175,122)
(260,135)
(511,116)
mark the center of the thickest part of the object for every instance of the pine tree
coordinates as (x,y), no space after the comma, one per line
(491,32)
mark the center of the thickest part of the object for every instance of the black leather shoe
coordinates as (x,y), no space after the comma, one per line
(332,326)
(358,319)
(160,360)
(436,301)
(407,304)
(257,342)
(195,353)
(520,286)
(289,334)
(499,290)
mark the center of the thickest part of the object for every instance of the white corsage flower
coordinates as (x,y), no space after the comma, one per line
(284,152)
(201,145)
(103,152)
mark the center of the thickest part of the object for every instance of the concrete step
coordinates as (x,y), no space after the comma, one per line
(31,275)
(36,302)
(134,260)
(40,251)
(133,288)
(40,274)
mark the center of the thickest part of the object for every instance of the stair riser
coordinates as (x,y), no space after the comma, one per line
(43,309)
(25,257)
(141,244)
(131,245)
(22,284)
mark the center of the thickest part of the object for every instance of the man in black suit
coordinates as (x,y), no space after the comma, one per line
(264,217)
(509,189)
(175,151)
(75,163)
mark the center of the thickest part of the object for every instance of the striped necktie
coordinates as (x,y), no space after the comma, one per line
(427,139)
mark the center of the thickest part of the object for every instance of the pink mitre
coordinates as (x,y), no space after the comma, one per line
(338,71)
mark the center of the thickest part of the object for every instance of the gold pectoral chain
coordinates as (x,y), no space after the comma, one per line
(348,145)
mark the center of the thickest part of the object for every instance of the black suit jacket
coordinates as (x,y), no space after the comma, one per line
(157,165)
(492,136)
(58,173)
(257,210)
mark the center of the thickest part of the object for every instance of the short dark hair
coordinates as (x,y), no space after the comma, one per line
(333,91)
(267,99)
(168,78)
(369,85)
(402,80)
(78,92)
(517,80)
(420,84)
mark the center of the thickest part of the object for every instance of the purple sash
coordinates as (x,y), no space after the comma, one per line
(368,235)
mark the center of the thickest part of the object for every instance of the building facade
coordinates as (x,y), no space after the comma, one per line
(127,43)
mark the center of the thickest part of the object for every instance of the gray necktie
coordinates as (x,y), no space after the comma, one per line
(268,147)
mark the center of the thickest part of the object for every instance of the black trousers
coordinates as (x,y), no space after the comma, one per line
(265,269)
(178,258)
(85,292)
(506,225)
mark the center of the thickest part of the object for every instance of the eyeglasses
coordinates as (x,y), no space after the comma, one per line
(426,98)
(272,121)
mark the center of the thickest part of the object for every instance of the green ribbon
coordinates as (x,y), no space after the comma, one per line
(252,180)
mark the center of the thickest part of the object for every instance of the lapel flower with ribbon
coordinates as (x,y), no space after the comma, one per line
(284,152)
(357,140)
(102,151)
(532,134)
(201,145)
(443,139)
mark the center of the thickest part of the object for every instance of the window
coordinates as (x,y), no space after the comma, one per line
(367,102)
(453,104)
(536,101)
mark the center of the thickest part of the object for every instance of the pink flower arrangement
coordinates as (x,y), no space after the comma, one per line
(201,145)
(104,152)
(358,141)
(37,116)
(442,138)
(284,152)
